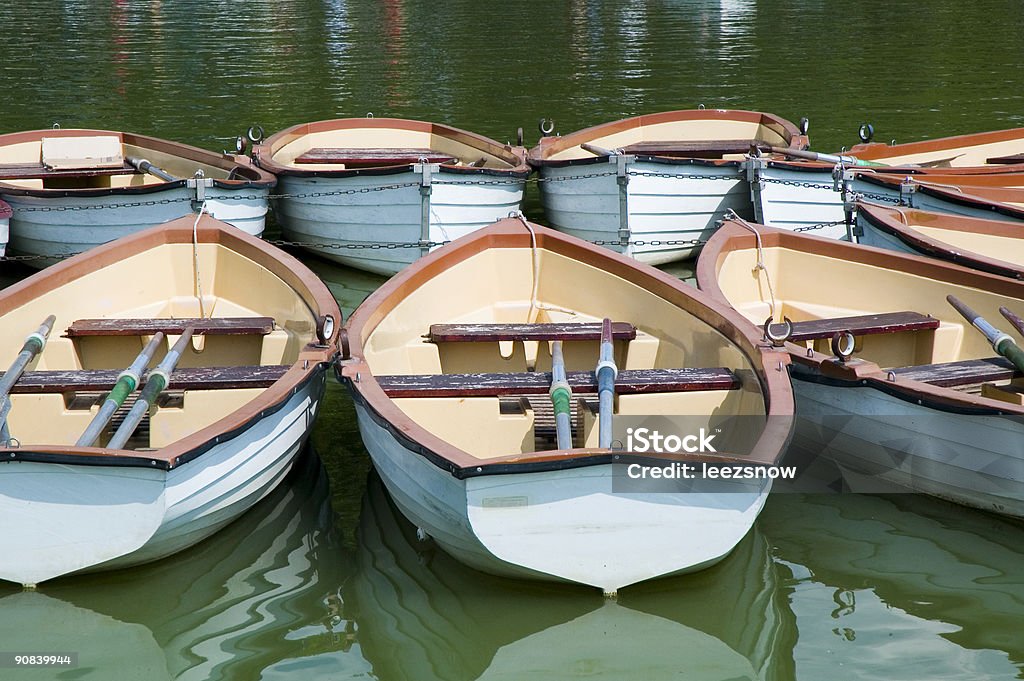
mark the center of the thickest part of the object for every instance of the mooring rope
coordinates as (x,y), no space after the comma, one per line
(195,259)
(760,257)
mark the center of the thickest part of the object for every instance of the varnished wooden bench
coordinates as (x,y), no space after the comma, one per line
(966,372)
(217,326)
(372,157)
(37,171)
(1012,158)
(564,331)
(696,148)
(861,325)
(194,378)
(628,381)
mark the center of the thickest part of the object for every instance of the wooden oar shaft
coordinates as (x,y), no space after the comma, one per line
(1001,342)
(596,150)
(1016,321)
(34,344)
(824,158)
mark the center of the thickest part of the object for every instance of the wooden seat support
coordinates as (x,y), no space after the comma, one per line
(195,378)
(217,326)
(966,372)
(372,157)
(628,381)
(861,325)
(566,331)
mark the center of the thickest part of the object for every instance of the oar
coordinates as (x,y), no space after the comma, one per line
(1017,322)
(561,396)
(144,166)
(126,384)
(596,150)
(157,381)
(1001,342)
(825,158)
(606,372)
(34,344)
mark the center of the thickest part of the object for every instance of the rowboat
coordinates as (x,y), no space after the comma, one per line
(378,193)
(924,405)
(417,609)
(654,186)
(97,474)
(472,463)
(71,190)
(993,246)
(790,193)
(998,197)
(5,227)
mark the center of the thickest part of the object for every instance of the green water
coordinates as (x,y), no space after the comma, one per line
(323,580)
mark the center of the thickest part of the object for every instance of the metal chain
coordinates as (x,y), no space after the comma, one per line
(688,176)
(797,183)
(820,225)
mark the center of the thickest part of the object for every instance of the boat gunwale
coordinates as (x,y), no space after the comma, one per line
(314,358)
(263,153)
(767,362)
(264,179)
(538,156)
(733,236)
(958,195)
(881,217)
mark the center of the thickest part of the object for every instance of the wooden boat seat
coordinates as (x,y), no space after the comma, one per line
(697,148)
(194,378)
(1010,159)
(628,381)
(368,158)
(37,171)
(861,325)
(563,331)
(963,373)
(217,326)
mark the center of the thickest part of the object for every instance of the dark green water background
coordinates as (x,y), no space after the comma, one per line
(322,580)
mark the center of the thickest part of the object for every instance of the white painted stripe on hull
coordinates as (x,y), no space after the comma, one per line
(457,207)
(574,529)
(666,202)
(977,461)
(69,225)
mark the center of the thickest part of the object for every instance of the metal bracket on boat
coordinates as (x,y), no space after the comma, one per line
(778,339)
(199,184)
(843,343)
(546,126)
(908,190)
(425,171)
(622,162)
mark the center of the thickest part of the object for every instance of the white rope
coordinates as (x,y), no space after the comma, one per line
(760,257)
(195,259)
(535,305)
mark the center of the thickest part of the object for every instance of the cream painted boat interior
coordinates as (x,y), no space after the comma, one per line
(92,147)
(948,157)
(679,131)
(808,286)
(495,287)
(158,283)
(466,152)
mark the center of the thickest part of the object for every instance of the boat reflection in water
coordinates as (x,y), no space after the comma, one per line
(423,615)
(263,593)
(932,589)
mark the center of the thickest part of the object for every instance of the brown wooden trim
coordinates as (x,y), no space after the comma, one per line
(186,378)
(372,157)
(860,325)
(967,372)
(890,221)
